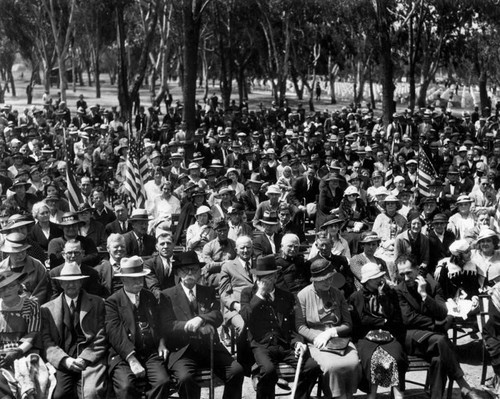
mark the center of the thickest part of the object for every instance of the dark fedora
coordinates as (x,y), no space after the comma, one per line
(188,258)
(322,269)
(440,218)
(265,265)
(69,219)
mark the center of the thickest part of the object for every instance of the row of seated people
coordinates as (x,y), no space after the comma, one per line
(151,327)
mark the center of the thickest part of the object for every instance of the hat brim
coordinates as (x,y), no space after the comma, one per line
(9,250)
(268,222)
(138,274)
(370,240)
(71,277)
(140,219)
(264,272)
(70,223)
(379,274)
(11,279)
(17,225)
(180,266)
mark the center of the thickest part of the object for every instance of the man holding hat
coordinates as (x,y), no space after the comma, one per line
(75,339)
(190,316)
(269,314)
(137,241)
(137,347)
(304,194)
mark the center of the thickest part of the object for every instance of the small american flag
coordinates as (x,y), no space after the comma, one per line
(135,171)
(389,177)
(73,193)
(425,173)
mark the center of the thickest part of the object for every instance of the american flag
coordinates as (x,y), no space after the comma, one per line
(425,173)
(136,172)
(73,192)
(389,177)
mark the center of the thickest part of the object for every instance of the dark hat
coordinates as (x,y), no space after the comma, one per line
(322,269)
(440,218)
(265,265)
(220,224)
(369,236)
(69,219)
(20,183)
(198,191)
(188,258)
(334,219)
(429,200)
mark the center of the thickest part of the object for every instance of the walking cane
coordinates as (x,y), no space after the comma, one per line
(211,391)
(297,373)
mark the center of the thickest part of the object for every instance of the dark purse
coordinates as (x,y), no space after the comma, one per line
(379,336)
(337,345)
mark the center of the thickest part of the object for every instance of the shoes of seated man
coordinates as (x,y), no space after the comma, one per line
(283,384)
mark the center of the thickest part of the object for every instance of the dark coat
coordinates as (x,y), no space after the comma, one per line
(36,234)
(299,191)
(437,249)
(294,274)
(262,246)
(157,280)
(114,227)
(132,246)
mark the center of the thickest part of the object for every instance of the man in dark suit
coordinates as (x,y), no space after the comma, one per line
(190,315)
(102,213)
(73,252)
(304,194)
(424,314)
(268,312)
(440,239)
(161,274)
(109,268)
(137,347)
(74,338)
(252,196)
(120,225)
(269,242)
(137,241)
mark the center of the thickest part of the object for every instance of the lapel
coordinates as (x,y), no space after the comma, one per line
(85,308)
(125,309)
(409,297)
(239,267)
(57,311)
(181,301)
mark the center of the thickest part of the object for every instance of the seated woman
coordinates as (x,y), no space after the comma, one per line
(462,223)
(353,211)
(485,256)
(458,278)
(370,242)
(376,307)
(19,329)
(333,227)
(322,317)
(200,232)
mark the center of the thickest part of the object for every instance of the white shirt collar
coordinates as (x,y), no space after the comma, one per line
(131,297)
(186,290)
(68,300)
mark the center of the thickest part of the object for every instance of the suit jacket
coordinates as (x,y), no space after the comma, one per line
(36,234)
(97,234)
(114,227)
(300,192)
(105,273)
(120,323)
(267,321)
(262,246)
(422,319)
(157,280)
(176,312)
(132,246)
(106,217)
(93,349)
(233,279)
(437,249)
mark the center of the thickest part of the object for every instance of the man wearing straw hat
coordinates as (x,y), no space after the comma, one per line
(190,318)
(74,338)
(132,323)
(137,241)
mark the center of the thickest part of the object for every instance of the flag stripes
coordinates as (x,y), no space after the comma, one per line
(425,173)
(135,170)
(73,193)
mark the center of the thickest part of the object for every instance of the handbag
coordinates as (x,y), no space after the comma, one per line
(337,345)
(379,336)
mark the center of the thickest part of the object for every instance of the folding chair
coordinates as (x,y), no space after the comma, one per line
(482,317)
(416,363)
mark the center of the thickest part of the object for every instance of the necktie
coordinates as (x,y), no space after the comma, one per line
(136,300)
(192,302)
(247,268)
(140,244)
(72,309)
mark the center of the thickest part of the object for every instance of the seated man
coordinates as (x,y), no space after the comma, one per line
(74,338)
(424,314)
(216,252)
(190,314)
(269,314)
(270,241)
(137,349)
(108,269)
(137,241)
(161,274)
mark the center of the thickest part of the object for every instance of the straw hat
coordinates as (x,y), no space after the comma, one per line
(370,271)
(8,277)
(71,272)
(132,267)
(15,243)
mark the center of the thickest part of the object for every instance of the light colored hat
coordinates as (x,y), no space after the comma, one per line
(203,209)
(273,189)
(464,199)
(8,277)
(193,165)
(139,214)
(459,246)
(462,148)
(369,271)
(350,191)
(399,178)
(71,272)
(15,243)
(486,233)
(132,267)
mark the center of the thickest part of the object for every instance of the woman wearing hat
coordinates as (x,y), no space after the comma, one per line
(458,276)
(233,175)
(19,329)
(200,232)
(380,332)
(486,255)
(370,242)
(35,281)
(322,317)
(21,198)
(153,187)
(353,210)
(220,208)
(196,197)
(330,196)
(333,228)
(462,223)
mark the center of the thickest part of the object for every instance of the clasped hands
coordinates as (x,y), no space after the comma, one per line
(197,325)
(77,365)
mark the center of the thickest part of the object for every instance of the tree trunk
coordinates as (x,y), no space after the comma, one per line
(332,74)
(422,93)
(89,73)
(11,80)
(241,84)
(123,93)
(483,89)
(372,94)
(299,90)
(97,73)
(73,69)
(62,75)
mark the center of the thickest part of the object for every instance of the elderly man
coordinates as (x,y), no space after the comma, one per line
(132,324)
(190,315)
(34,280)
(235,275)
(73,252)
(137,241)
(268,312)
(294,273)
(161,274)
(108,269)
(216,252)
(74,338)
(424,314)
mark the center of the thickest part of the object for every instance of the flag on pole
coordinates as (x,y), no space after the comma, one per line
(425,173)
(389,177)
(73,193)
(135,170)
